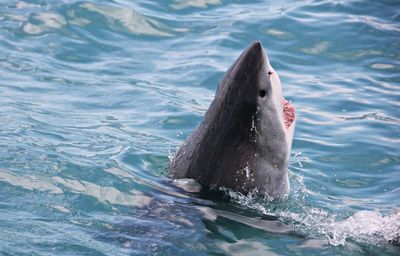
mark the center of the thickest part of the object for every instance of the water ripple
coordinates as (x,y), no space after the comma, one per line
(97,95)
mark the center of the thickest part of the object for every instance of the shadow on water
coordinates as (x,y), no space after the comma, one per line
(175,216)
(222,221)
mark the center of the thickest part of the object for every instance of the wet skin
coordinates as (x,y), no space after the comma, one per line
(243,142)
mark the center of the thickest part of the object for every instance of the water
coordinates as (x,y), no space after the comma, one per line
(96,96)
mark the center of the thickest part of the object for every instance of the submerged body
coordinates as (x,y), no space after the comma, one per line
(245,138)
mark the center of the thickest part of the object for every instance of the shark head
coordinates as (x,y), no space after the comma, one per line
(245,138)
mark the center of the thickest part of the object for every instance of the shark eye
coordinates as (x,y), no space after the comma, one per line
(261,93)
(270,73)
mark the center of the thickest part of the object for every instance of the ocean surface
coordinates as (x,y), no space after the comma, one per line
(96,97)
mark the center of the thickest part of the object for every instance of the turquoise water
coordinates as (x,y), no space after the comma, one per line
(96,96)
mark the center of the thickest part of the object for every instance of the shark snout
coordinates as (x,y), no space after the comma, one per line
(244,132)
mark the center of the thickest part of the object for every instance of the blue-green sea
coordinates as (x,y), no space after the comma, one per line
(97,96)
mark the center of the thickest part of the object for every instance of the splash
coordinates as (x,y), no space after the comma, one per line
(366,227)
(370,227)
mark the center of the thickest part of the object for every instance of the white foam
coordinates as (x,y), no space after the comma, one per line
(371,227)
(365,226)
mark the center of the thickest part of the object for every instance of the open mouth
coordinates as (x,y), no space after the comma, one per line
(289,114)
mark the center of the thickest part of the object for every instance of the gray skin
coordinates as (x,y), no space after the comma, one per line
(242,143)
